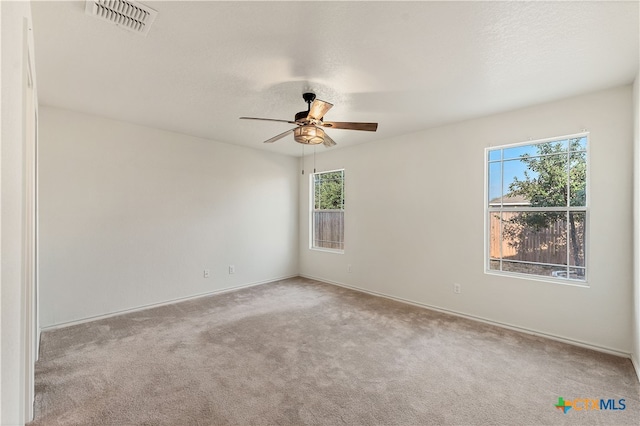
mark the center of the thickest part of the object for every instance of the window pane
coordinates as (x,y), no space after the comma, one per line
(576,238)
(495,184)
(328,193)
(578,179)
(517,178)
(328,210)
(540,181)
(579,144)
(535,149)
(534,269)
(494,155)
(494,265)
(328,229)
(495,249)
(577,273)
(519,151)
(316,193)
(535,237)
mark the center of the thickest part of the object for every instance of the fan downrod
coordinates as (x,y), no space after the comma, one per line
(308,98)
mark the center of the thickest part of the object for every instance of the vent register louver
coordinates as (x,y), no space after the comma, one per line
(127,14)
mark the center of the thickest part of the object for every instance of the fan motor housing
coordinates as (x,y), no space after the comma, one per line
(308,98)
(301,116)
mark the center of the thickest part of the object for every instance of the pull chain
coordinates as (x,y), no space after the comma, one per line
(302,159)
(314,159)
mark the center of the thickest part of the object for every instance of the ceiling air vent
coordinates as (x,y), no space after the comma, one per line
(127,14)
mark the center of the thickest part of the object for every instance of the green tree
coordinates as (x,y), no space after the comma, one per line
(328,189)
(554,177)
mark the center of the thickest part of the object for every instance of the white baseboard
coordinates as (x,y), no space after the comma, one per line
(484,320)
(156,305)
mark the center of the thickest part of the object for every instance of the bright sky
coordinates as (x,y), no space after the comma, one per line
(512,167)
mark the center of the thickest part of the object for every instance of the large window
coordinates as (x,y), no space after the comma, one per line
(537,208)
(327,213)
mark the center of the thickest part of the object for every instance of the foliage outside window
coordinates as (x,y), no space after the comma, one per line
(537,208)
(328,210)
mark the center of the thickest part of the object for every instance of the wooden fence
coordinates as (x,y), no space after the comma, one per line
(547,245)
(328,229)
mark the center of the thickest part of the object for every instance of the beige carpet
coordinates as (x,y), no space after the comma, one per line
(301,352)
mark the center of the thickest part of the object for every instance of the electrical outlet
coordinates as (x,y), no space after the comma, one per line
(232,269)
(206,273)
(457,288)
(349,269)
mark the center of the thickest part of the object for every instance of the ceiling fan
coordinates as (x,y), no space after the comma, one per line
(310,123)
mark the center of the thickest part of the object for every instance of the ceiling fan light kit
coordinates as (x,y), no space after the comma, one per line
(310,123)
(309,135)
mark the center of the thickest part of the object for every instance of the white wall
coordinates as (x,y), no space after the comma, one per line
(414,221)
(636,225)
(14,17)
(131,216)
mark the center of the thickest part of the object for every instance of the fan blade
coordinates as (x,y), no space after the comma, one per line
(280,136)
(319,109)
(328,142)
(368,127)
(268,119)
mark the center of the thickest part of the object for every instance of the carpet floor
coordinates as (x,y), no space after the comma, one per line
(302,352)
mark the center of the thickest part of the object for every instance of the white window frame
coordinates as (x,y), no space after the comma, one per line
(312,210)
(488,211)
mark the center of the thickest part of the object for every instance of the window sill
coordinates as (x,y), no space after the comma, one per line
(551,280)
(327,250)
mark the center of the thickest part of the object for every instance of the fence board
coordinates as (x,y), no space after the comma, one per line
(548,245)
(328,230)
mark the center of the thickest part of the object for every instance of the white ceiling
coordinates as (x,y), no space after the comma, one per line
(406,65)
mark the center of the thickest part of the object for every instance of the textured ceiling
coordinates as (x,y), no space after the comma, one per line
(406,65)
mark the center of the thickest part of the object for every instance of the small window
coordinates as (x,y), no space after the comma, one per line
(537,208)
(327,212)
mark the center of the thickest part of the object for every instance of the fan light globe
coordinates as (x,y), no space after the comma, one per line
(309,135)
